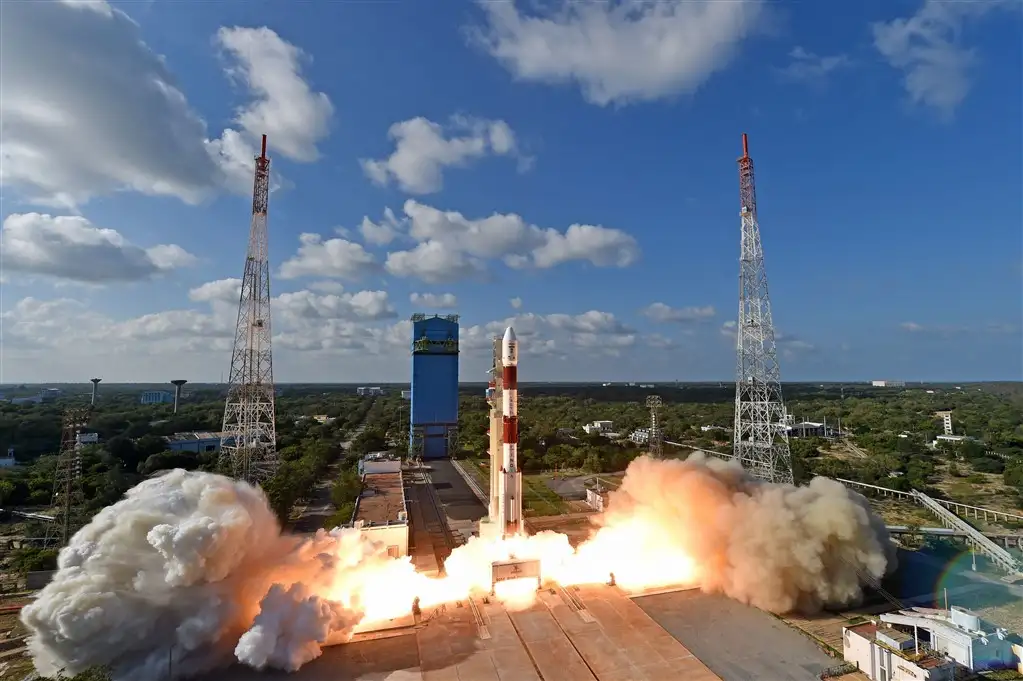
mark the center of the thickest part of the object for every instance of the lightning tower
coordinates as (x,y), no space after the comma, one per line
(760,442)
(67,479)
(248,444)
(656,439)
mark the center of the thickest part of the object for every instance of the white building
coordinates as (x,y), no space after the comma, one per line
(888,384)
(87,439)
(946,420)
(406,394)
(596,498)
(598,427)
(640,436)
(368,391)
(156,397)
(961,635)
(9,460)
(886,654)
(382,510)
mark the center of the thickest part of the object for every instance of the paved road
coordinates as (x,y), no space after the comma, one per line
(320,506)
(456,498)
(737,642)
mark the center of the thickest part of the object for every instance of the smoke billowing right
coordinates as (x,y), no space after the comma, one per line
(193,567)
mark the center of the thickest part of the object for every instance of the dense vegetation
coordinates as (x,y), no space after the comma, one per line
(132,445)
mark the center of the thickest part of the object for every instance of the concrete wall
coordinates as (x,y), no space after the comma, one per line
(37,580)
(393,537)
(369,467)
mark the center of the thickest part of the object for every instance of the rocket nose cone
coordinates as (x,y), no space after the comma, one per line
(509,334)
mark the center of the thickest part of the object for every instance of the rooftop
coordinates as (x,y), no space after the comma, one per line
(382,500)
(198,435)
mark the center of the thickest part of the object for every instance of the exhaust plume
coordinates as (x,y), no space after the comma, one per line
(777,547)
(193,566)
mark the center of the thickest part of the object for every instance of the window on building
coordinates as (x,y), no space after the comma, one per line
(392,551)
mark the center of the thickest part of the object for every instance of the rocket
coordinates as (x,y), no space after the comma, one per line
(509,488)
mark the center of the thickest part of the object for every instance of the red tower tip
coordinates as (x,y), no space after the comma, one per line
(263,153)
(745,145)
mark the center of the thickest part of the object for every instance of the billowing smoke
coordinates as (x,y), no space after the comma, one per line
(780,548)
(180,574)
(190,571)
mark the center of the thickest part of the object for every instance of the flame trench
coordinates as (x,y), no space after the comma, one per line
(192,568)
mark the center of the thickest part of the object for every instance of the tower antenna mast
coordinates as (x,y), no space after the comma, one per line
(67,478)
(248,445)
(760,441)
(656,438)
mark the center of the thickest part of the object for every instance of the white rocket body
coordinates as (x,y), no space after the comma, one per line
(509,489)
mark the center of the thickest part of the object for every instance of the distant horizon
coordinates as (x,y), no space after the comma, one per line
(616,384)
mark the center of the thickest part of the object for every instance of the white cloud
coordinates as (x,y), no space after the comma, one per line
(619,52)
(435,263)
(327,286)
(926,47)
(453,246)
(286,109)
(70,247)
(424,149)
(222,290)
(368,305)
(911,326)
(434,300)
(89,109)
(659,312)
(807,66)
(383,232)
(339,258)
(516,303)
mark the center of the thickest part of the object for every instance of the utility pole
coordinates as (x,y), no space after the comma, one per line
(656,439)
(67,479)
(248,445)
(760,442)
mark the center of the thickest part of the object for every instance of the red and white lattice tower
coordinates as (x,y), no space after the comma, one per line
(760,441)
(248,445)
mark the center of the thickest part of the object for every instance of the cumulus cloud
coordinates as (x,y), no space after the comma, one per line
(434,300)
(285,108)
(221,290)
(90,109)
(435,263)
(70,247)
(424,150)
(340,258)
(452,246)
(659,312)
(926,48)
(808,67)
(618,52)
(516,303)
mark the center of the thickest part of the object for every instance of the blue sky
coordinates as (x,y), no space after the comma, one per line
(886,137)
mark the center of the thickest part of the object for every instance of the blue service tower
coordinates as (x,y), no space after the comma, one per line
(433,427)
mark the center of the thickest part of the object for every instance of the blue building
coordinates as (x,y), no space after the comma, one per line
(156,397)
(433,427)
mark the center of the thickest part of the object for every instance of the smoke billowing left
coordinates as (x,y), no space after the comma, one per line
(193,567)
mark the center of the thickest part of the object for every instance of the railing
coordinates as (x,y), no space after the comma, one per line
(838,670)
(473,485)
(996,553)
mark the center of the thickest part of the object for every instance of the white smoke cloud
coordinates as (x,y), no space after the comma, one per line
(182,569)
(193,566)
